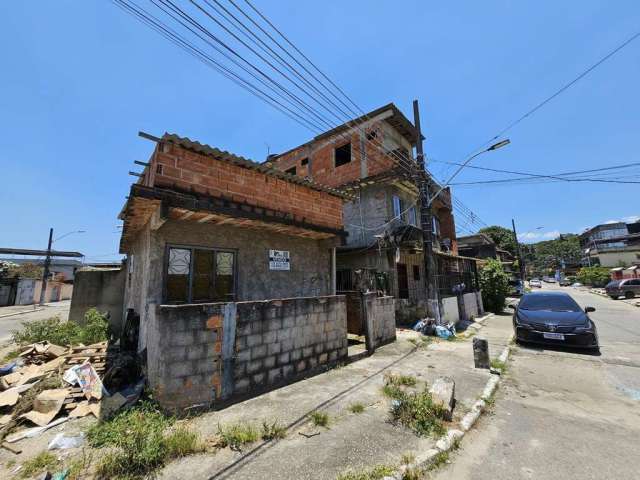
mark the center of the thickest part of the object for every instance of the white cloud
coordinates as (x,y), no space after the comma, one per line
(611,221)
(631,219)
(533,236)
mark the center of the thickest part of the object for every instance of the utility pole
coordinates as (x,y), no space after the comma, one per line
(45,272)
(426,223)
(520,259)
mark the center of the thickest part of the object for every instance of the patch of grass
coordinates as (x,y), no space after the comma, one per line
(413,474)
(140,440)
(398,380)
(420,341)
(439,460)
(376,473)
(417,411)
(40,463)
(79,467)
(94,329)
(392,391)
(498,365)
(9,356)
(236,435)
(407,458)
(356,407)
(181,442)
(320,419)
(273,431)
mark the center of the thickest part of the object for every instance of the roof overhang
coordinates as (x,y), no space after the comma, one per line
(39,253)
(156,205)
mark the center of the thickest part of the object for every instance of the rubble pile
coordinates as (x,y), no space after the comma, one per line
(48,384)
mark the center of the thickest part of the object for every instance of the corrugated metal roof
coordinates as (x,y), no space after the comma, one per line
(225,156)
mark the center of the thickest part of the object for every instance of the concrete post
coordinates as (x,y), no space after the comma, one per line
(481,353)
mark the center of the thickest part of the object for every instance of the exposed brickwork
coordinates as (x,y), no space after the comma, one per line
(320,154)
(185,170)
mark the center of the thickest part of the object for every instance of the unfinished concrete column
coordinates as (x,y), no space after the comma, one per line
(481,353)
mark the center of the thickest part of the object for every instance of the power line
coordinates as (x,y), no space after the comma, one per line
(547,100)
(556,176)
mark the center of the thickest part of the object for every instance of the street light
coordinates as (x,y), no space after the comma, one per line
(495,146)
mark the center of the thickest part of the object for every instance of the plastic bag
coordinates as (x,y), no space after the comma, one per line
(443,332)
(60,441)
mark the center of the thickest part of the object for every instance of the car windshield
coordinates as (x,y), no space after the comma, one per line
(553,303)
(613,283)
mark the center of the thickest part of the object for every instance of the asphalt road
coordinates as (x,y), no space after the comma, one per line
(563,414)
(14,322)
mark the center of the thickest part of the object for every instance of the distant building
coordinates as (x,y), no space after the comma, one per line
(611,245)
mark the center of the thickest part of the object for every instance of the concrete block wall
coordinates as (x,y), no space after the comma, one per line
(279,340)
(102,289)
(184,354)
(381,313)
(207,354)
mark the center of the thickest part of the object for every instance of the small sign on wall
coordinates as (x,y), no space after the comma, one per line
(279,260)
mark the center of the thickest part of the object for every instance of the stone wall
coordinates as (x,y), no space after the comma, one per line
(211,354)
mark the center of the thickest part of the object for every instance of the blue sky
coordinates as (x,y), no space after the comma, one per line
(80,79)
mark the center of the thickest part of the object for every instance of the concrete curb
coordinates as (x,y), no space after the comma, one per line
(454,436)
(20,312)
(476,326)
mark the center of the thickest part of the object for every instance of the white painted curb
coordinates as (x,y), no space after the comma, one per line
(453,436)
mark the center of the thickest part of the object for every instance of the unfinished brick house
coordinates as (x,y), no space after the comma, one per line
(231,270)
(383,250)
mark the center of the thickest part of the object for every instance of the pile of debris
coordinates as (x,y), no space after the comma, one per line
(428,326)
(48,384)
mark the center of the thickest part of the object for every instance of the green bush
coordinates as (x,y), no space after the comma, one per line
(54,330)
(595,276)
(494,283)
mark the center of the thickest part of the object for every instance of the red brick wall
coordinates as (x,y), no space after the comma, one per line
(320,155)
(187,170)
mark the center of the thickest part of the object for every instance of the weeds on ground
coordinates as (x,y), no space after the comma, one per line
(420,341)
(439,460)
(9,356)
(40,463)
(404,380)
(273,431)
(236,435)
(79,467)
(414,410)
(95,329)
(141,440)
(407,458)
(413,473)
(498,365)
(376,473)
(356,407)
(319,419)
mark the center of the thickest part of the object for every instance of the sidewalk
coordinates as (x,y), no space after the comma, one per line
(352,441)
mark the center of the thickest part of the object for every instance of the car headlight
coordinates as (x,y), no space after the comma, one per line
(583,328)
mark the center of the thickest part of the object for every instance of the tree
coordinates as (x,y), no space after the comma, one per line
(22,270)
(502,237)
(595,276)
(494,283)
(549,255)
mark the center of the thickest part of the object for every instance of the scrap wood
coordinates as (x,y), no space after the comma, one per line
(12,378)
(81,410)
(32,432)
(46,406)
(9,398)
(4,419)
(15,450)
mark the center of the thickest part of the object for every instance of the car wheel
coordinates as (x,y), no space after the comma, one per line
(629,295)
